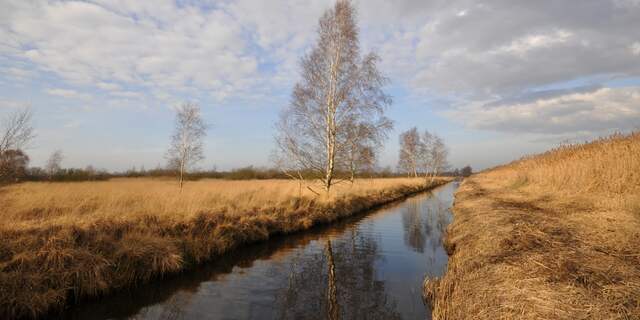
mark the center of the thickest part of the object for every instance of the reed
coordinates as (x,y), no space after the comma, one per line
(552,236)
(64,242)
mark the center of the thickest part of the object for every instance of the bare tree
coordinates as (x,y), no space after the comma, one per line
(52,166)
(17,130)
(363,142)
(438,154)
(410,151)
(424,153)
(367,160)
(338,89)
(186,147)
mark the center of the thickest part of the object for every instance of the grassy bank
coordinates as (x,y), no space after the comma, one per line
(554,236)
(63,242)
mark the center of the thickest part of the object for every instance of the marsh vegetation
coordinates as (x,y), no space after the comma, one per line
(64,242)
(552,236)
(365,266)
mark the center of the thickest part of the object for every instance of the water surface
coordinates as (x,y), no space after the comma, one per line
(366,267)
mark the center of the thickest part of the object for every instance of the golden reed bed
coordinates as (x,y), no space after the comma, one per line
(63,242)
(553,236)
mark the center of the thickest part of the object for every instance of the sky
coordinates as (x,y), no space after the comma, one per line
(496,79)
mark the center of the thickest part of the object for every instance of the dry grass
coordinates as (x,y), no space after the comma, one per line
(554,236)
(62,242)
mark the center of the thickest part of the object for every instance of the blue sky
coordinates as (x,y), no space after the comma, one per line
(496,80)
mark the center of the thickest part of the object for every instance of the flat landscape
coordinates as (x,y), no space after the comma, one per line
(326,159)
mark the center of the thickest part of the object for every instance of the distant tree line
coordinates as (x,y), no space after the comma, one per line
(246,173)
(262,173)
(67,174)
(17,132)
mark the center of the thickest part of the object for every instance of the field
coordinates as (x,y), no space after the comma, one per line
(64,242)
(553,236)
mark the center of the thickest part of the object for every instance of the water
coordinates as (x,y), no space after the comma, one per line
(366,267)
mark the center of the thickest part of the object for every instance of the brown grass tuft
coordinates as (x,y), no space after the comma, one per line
(64,242)
(553,236)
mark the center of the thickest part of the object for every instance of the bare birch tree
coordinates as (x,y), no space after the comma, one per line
(438,156)
(338,89)
(363,142)
(53,165)
(186,147)
(410,152)
(433,155)
(425,153)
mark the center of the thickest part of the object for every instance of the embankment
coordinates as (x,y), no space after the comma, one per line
(62,257)
(554,236)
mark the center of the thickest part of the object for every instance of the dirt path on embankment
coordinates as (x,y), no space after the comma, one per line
(519,253)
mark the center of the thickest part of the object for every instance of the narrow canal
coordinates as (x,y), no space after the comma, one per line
(366,267)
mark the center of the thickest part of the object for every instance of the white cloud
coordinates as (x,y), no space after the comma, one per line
(108,86)
(529,43)
(67,93)
(127,94)
(150,44)
(586,111)
(12,104)
(19,73)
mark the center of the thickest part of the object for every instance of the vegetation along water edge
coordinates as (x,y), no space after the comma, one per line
(552,236)
(65,242)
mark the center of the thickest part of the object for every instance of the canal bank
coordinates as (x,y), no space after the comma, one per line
(378,260)
(552,236)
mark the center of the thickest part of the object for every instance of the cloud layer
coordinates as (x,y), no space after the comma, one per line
(499,47)
(593,111)
(465,52)
(150,44)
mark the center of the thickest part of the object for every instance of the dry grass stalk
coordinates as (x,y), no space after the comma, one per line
(62,242)
(554,236)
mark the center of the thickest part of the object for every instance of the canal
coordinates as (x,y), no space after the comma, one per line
(366,267)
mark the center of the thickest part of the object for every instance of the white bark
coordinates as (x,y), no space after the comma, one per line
(186,147)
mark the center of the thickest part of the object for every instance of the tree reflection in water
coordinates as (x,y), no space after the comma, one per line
(338,282)
(332,290)
(414,236)
(424,223)
(367,267)
(421,219)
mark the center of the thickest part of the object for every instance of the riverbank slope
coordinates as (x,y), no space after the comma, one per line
(553,236)
(65,242)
